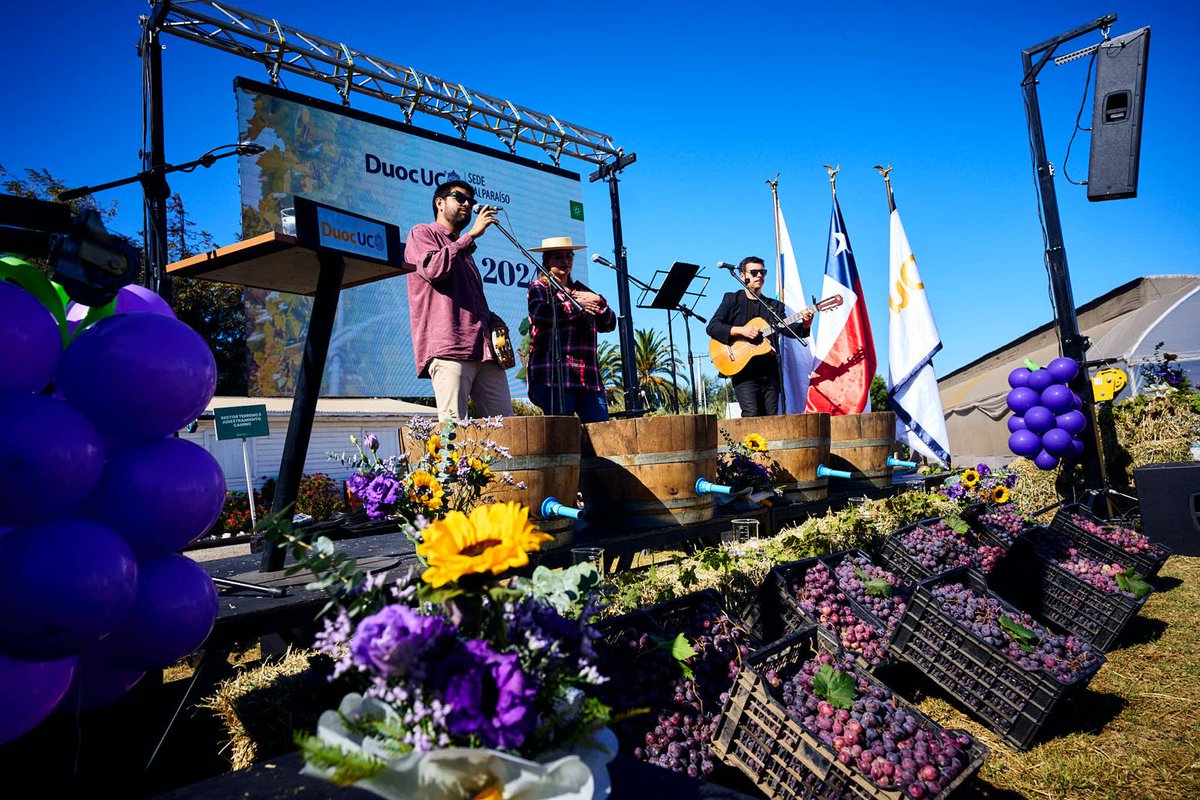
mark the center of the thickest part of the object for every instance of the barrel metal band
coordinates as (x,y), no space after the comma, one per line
(841,444)
(649,459)
(538,462)
(786,444)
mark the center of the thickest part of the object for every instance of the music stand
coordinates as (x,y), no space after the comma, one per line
(672,294)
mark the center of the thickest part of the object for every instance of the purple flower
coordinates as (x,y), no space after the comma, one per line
(983,469)
(490,697)
(398,642)
(380,494)
(371,442)
(356,483)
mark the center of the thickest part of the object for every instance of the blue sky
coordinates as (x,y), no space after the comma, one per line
(714,99)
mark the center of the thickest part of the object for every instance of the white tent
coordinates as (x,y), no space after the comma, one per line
(1124,324)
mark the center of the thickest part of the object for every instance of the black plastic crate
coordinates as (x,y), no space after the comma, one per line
(1012,701)
(781,756)
(973,514)
(1147,562)
(1054,594)
(899,560)
(782,614)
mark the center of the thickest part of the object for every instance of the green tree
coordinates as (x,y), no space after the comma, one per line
(878,392)
(217,311)
(718,393)
(608,356)
(654,358)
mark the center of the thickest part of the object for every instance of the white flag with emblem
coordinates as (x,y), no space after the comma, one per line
(913,340)
(794,355)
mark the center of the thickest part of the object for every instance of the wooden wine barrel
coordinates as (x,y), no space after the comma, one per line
(798,443)
(544,456)
(860,444)
(641,473)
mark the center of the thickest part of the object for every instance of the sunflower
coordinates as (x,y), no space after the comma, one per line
(495,538)
(481,468)
(969,478)
(1000,495)
(434,445)
(755,443)
(424,490)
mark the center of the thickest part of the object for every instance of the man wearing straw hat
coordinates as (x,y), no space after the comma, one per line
(451,322)
(570,383)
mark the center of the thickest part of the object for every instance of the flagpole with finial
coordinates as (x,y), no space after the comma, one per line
(833,171)
(774,184)
(884,171)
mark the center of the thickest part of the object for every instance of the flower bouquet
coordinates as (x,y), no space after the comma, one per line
(981,484)
(747,466)
(468,687)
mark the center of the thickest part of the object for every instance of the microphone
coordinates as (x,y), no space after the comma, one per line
(479,208)
(727,265)
(250,149)
(599,259)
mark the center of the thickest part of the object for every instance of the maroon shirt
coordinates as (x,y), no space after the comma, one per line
(446,306)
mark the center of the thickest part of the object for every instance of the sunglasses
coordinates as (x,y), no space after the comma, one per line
(756,272)
(462,198)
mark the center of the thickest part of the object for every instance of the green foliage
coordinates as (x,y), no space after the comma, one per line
(957,524)
(235,514)
(878,393)
(679,649)
(319,496)
(1130,581)
(876,587)
(348,767)
(564,589)
(834,686)
(654,359)
(1024,637)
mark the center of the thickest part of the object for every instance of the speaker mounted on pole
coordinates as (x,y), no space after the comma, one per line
(1117,116)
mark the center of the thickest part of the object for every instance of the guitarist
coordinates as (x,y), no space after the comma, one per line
(756,386)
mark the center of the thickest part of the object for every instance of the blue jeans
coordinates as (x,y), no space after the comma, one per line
(589,406)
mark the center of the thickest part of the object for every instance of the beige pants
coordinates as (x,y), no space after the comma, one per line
(482,381)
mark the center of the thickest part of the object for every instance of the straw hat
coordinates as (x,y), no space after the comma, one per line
(557,243)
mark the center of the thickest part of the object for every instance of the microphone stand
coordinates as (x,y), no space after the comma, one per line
(557,392)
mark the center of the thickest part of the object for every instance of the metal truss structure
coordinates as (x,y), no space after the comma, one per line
(280,48)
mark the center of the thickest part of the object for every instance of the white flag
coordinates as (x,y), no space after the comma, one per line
(794,355)
(913,341)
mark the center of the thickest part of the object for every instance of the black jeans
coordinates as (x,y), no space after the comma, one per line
(758,396)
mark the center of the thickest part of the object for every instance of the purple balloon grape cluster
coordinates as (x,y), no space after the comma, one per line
(96,498)
(1047,423)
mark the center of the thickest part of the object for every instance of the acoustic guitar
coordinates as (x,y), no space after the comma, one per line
(730,359)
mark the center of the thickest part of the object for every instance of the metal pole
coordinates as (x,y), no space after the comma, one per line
(249,482)
(633,402)
(155,190)
(674,377)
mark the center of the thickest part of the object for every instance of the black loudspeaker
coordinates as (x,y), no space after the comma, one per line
(1169,497)
(1117,116)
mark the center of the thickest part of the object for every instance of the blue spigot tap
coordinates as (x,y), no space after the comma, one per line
(825,472)
(704,486)
(552,508)
(896,462)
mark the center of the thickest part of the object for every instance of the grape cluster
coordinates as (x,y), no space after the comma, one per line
(1003,524)
(1126,539)
(878,735)
(939,548)
(1065,658)
(683,713)
(1058,547)
(821,599)
(887,609)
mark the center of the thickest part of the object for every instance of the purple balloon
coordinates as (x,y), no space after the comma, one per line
(1076,401)
(1045,461)
(50,458)
(1040,380)
(1039,419)
(1025,443)
(1016,423)
(131,299)
(64,586)
(1072,422)
(1063,369)
(29,692)
(138,376)
(98,683)
(1058,443)
(1077,445)
(1018,377)
(1021,399)
(159,495)
(30,341)
(1057,398)
(174,612)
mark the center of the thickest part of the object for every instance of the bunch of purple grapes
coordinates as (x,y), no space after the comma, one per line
(878,735)
(820,598)
(937,547)
(1058,547)
(682,713)
(887,609)
(1126,539)
(1004,524)
(1064,658)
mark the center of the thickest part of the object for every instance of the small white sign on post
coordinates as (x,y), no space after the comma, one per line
(243,422)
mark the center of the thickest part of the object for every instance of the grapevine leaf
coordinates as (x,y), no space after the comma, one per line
(1130,581)
(876,587)
(1024,637)
(838,688)
(957,524)
(680,649)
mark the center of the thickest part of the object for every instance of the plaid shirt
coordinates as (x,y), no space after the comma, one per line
(577,333)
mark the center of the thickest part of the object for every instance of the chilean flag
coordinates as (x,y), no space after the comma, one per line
(843,349)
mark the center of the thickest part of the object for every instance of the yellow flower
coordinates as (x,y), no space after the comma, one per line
(1000,495)
(755,443)
(969,478)
(434,445)
(425,490)
(480,467)
(490,793)
(495,538)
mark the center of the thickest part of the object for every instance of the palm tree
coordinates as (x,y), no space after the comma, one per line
(654,359)
(608,355)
